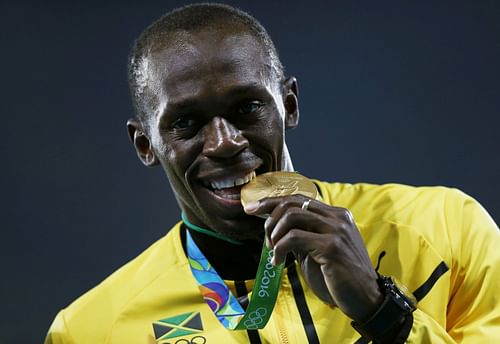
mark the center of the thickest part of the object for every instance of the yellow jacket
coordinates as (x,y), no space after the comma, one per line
(438,242)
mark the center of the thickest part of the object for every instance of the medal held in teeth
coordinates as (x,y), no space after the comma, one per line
(277,184)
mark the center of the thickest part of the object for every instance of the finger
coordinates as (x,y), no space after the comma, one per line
(278,207)
(285,203)
(295,241)
(267,205)
(297,218)
(274,207)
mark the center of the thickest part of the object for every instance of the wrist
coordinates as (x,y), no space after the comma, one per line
(373,303)
(392,314)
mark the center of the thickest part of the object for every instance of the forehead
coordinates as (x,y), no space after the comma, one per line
(208,62)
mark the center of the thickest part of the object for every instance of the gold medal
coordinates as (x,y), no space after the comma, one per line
(276,184)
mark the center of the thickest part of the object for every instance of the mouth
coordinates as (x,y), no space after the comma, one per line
(228,188)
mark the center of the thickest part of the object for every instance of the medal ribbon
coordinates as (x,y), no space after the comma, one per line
(222,301)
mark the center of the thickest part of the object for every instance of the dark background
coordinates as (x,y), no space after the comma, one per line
(390,92)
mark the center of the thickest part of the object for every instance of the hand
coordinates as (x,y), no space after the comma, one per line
(329,248)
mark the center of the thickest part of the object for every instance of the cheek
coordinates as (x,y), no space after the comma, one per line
(273,131)
(159,144)
(173,159)
(176,157)
(165,153)
(267,139)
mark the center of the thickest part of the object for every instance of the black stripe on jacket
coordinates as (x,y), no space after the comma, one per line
(241,290)
(300,300)
(439,271)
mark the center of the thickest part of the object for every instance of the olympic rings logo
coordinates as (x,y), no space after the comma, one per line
(255,318)
(194,340)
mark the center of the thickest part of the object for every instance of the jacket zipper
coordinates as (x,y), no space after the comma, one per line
(279,322)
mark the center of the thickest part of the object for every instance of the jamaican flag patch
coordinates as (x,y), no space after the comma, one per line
(179,325)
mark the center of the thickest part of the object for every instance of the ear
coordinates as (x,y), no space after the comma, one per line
(291,102)
(141,142)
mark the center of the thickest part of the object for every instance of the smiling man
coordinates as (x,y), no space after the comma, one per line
(212,107)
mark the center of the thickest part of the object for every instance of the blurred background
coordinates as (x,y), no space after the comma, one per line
(389,92)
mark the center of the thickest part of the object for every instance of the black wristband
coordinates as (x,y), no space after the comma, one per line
(389,319)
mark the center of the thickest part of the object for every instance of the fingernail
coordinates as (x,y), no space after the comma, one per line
(268,220)
(268,242)
(251,207)
(273,261)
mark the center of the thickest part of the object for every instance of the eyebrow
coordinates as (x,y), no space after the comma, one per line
(236,91)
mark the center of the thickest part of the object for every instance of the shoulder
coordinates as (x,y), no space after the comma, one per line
(398,203)
(435,214)
(445,217)
(105,303)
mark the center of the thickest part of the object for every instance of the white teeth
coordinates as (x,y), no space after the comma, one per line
(232,182)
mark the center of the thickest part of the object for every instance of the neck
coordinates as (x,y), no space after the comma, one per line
(231,261)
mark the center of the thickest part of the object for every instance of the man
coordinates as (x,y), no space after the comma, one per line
(212,109)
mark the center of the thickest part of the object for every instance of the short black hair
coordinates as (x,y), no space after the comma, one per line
(190,18)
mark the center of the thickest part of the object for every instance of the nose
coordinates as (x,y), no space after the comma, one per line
(222,139)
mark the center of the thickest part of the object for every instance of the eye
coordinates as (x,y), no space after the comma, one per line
(183,123)
(250,107)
